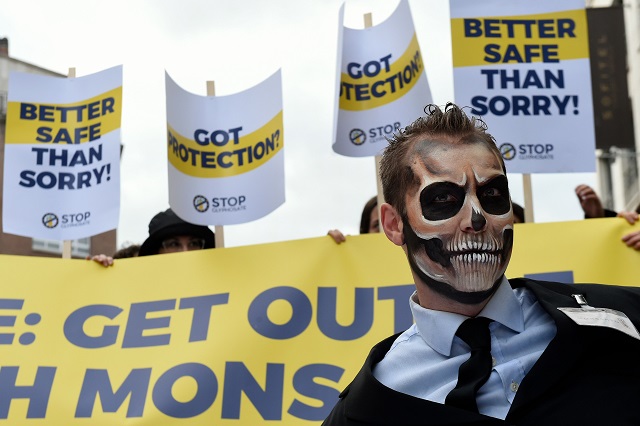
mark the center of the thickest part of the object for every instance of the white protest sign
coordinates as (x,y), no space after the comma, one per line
(383,85)
(523,66)
(62,155)
(225,153)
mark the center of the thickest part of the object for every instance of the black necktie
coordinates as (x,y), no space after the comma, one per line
(476,370)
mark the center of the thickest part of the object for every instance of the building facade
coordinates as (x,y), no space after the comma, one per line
(615,58)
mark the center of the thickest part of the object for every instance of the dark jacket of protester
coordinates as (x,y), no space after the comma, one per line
(588,375)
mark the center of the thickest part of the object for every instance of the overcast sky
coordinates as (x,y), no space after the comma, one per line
(238,44)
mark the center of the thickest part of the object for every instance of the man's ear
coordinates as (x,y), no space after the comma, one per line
(392,224)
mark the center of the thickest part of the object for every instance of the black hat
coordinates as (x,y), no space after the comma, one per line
(167,224)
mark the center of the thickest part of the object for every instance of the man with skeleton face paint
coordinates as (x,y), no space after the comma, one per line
(458,227)
(448,207)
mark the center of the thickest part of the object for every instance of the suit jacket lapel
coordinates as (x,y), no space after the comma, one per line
(565,346)
(370,401)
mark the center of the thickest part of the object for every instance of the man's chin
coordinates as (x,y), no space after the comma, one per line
(477,282)
(465,289)
(466,296)
(471,289)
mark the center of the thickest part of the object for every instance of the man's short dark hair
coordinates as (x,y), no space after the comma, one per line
(451,124)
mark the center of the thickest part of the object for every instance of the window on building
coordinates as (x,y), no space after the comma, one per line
(79,248)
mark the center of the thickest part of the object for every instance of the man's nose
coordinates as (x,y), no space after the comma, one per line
(474,219)
(478,221)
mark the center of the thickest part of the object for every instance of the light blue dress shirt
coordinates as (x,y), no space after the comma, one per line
(424,360)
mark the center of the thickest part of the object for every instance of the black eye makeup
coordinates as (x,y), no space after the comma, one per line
(494,196)
(441,200)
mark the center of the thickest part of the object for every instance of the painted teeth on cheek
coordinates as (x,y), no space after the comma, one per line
(460,244)
(473,258)
(475,271)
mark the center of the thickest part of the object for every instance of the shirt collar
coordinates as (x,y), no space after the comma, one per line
(437,328)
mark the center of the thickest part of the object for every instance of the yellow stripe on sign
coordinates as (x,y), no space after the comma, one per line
(80,122)
(549,37)
(368,92)
(206,160)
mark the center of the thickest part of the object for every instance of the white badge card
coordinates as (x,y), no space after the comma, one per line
(602,317)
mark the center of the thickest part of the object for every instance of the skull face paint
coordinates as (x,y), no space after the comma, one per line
(459,223)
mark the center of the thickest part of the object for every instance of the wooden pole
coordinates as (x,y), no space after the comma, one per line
(368,20)
(528,198)
(66,244)
(368,23)
(219,229)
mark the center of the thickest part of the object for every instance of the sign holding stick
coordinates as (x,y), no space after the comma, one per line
(368,23)
(66,244)
(219,229)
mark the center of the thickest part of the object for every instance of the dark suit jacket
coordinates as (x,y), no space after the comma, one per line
(586,376)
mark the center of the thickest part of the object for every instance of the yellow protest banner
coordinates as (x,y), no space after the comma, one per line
(589,250)
(264,334)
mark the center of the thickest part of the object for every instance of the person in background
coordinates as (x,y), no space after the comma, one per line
(518,213)
(369,221)
(130,250)
(593,208)
(484,349)
(169,234)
